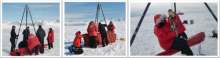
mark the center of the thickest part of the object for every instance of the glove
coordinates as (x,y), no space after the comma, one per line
(16,36)
(175,38)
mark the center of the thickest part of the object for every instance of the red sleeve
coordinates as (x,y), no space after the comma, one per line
(113,27)
(52,36)
(88,29)
(162,35)
(96,28)
(108,27)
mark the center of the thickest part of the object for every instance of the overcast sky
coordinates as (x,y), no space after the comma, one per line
(39,11)
(136,9)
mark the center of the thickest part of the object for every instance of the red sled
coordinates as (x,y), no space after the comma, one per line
(22,51)
(110,36)
(196,39)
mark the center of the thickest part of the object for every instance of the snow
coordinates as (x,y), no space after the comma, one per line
(114,49)
(6,44)
(146,43)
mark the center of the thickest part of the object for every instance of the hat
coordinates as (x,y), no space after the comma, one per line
(159,17)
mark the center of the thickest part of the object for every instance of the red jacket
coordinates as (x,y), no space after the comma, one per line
(113,27)
(33,41)
(77,40)
(165,36)
(92,29)
(50,37)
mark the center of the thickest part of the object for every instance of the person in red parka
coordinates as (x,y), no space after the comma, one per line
(77,40)
(92,31)
(111,26)
(168,39)
(50,39)
(76,47)
(33,44)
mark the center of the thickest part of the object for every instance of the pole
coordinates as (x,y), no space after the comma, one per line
(211,11)
(176,19)
(26,19)
(139,24)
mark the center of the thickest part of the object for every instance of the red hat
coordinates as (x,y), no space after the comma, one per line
(159,17)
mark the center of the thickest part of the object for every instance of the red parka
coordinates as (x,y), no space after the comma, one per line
(92,29)
(111,26)
(165,36)
(50,37)
(77,40)
(33,41)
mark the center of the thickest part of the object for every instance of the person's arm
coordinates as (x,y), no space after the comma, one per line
(113,27)
(166,35)
(96,28)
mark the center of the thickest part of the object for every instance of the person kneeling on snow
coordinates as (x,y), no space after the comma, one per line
(76,47)
(167,38)
(33,44)
(50,39)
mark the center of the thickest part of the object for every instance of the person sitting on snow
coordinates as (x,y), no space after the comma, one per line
(167,38)
(33,44)
(50,39)
(76,47)
(92,31)
(111,26)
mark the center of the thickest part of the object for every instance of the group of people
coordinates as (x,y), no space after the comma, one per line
(168,39)
(31,41)
(92,32)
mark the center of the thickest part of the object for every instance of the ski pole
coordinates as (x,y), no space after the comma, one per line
(139,24)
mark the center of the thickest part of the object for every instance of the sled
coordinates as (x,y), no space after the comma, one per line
(74,50)
(196,39)
(110,36)
(22,51)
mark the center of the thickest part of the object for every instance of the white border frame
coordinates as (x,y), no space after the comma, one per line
(32,2)
(94,1)
(171,1)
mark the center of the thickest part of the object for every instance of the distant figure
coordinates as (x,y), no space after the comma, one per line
(111,26)
(41,34)
(50,39)
(13,37)
(92,31)
(215,35)
(33,44)
(103,34)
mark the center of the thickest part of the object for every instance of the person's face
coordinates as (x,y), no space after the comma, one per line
(28,28)
(14,28)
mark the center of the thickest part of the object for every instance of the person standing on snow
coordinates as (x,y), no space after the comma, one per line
(41,34)
(33,44)
(167,38)
(76,47)
(111,26)
(92,31)
(13,37)
(25,33)
(103,34)
(50,39)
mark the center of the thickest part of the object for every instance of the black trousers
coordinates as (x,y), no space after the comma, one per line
(104,39)
(42,47)
(93,42)
(50,45)
(12,44)
(35,49)
(182,45)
